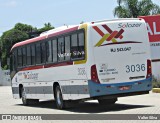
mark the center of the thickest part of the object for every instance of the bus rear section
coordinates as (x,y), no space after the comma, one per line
(121,54)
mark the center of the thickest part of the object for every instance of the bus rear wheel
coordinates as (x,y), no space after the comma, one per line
(107,101)
(26,101)
(61,104)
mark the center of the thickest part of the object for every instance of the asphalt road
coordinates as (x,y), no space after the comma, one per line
(142,104)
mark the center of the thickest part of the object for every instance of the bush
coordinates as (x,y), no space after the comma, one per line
(155,82)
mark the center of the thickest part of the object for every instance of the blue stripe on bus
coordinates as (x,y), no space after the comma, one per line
(101,89)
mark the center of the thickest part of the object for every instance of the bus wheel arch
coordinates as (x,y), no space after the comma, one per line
(25,100)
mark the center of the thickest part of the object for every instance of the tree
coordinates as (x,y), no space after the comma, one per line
(8,39)
(19,33)
(24,27)
(31,31)
(37,32)
(47,26)
(135,8)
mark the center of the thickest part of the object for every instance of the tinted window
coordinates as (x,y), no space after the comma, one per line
(14,60)
(74,40)
(24,55)
(19,57)
(33,54)
(67,48)
(61,49)
(38,54)
(74,46)
(81,45)
(43,52)
(28,55)
(54,45)
(77,46)
(49,51)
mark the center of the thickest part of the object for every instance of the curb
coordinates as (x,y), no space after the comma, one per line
(156,90)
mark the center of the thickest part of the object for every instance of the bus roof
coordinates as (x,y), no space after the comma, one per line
(61,30)
(47,34)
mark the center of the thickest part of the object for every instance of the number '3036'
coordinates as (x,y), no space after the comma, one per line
(135,68)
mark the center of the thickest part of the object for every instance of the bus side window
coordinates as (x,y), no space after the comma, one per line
(19,57)
(12,67)
(77,46)
(43,52)
(67,48)
(74,46)
(14,61)
(61,49)
(33,54)
(49,51)
(54,45)
(28,55)
(24,55)
(38,54)
(81,45)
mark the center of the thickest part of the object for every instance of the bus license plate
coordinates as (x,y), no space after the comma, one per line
(124,88)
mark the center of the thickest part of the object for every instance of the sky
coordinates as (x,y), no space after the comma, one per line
(57,12)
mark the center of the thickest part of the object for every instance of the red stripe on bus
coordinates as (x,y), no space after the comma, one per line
(119,35)
(58,64)
(107,28)
(32,68)
(98,30)
(28,41)
(43,37)
(125,42)
(47,66)
(113,34)
(62,32)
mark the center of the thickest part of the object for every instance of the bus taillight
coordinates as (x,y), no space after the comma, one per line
(149,69)
(94,75)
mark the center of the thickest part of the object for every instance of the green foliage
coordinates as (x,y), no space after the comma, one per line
(47,26)
(24,27)
(135,8)
(8,39)
(20,32)
(13,36)
(155,82)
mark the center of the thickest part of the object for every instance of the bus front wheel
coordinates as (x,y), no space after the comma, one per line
(26,101)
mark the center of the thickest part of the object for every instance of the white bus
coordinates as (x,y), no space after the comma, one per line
(100,60)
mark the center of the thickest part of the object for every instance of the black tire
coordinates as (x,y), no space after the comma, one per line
(26,101)
(61,104)
(107,101)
